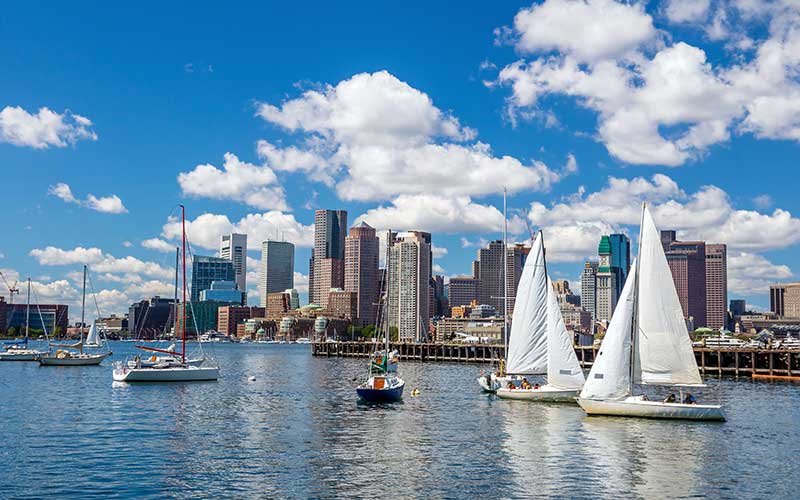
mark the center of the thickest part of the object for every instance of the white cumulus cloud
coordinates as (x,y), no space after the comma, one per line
(43,129)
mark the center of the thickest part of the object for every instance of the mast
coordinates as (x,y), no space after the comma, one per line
(635,322)
(175,296)
(505,274)
(386,313)
(183,328)
(28,311)
(83,306)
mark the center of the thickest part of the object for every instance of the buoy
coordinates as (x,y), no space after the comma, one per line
(415,392)
(252,378)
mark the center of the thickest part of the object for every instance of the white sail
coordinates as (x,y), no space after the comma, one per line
(563,369)
(663,353)
(610,375)
(92,338)
(527,345)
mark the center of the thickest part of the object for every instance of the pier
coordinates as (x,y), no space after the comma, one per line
(711,360)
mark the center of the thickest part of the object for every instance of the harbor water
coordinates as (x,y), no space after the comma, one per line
(297,431)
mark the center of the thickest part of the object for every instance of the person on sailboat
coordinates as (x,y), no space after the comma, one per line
(536,386)
(670,398)
(689,399)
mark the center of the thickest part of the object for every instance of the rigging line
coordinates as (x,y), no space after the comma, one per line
(39,310)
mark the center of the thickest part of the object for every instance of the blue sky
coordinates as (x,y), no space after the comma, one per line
(413,116)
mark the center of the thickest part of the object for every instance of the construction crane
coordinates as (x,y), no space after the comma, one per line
(12,289)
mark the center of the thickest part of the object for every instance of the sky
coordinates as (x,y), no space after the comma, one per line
(410,116)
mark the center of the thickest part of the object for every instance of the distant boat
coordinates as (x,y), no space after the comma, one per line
(303,340)
(17,350)
(540,343)
(646,343)
(72,354)
(174,367)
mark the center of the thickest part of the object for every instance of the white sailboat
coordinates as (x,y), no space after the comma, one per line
(540,343)
(18,350)
(176,367)
(93,337)
(66,355)
(646,343)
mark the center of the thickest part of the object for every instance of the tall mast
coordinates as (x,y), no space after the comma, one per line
(635,322)
(183,227)
(386,279)
(505,274)
(175,297)
(28,310)
(83,306)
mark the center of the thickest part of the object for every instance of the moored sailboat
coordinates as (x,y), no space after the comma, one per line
(17,350)
(540,343)
(646,343)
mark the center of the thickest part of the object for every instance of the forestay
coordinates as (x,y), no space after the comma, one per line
(527,345)
(663,353)
(610,375)
(563,369)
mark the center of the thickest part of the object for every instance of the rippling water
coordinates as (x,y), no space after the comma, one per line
(298,432)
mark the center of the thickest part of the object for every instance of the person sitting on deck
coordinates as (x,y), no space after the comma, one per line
(689,399)
(525,384)
(511,385)
(670,399)
(535,387)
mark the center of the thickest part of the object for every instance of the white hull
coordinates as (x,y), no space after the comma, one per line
(496,382)
(545,393)
(20,356)
(638,407)
(80,360)
(173,374)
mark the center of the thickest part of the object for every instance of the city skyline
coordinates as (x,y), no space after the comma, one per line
(396,142)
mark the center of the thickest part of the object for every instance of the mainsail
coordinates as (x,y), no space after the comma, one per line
(663,349)
(563,369)
(527,346)
(92,338)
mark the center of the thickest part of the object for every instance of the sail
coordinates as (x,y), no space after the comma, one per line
(563,369)
(527,345)
(610,376)
(663,353)
(92,338)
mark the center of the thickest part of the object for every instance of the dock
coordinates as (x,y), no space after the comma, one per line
(773,363)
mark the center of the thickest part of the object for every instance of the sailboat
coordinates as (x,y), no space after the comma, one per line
(66,355)
(540,343)
(176,368)
(646,343)
(382,385)
(17,350)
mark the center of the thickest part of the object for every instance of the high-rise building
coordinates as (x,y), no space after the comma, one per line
(208,269)
(589,287)
(490,274)
(149,318)
(223,291)
(716,285)
(361,259)
(463,290)
(738,307)
(294,298)
(234,248)
(784,299)
(277,268)
(440,305)
(326,266)
(606,292)
(343,304)
(687,262)
(620,259)
(564,294)
(408,308)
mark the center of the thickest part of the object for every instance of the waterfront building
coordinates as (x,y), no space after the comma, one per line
(441,306)
(784,300)
(277,268)
(483,311)
(716,285)
(490,274)
(150,318)
(464,290)
(278,304)
(687,262)
(343,304)
(408,308)
(589,287)
(294,298)
(234,248)
(620,260)
(606,283)
(326,266)
(738,307)
(52,317)
(223,291)
(489,328)
(229,317)
(112,324)
(201,317)
(361,260)
(205,270)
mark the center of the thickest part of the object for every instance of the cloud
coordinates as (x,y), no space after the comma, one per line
(127,244)
(763,201)
(205,230)
(108,204)
(750,274)
(98,261)
(682,11)
(253,185)
(43,129)
(438,252)
(158,245)
(375,137)
(301,282)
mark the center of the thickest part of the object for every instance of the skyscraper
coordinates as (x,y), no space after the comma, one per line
(620,259)
(687,262)
(208,269)
(234,248)
(361,255)
(716,285)
(606,291)
(277,268)
(408,308)
(490,274)
(463,290)
(784,299)
(589,287)
(326,267)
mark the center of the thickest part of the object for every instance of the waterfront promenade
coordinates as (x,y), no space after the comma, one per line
(710,360)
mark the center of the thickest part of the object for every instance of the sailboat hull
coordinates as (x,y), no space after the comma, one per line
(80,360)
(638,407)
(188,373)
(19,356)
(545,394)
(492,383)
